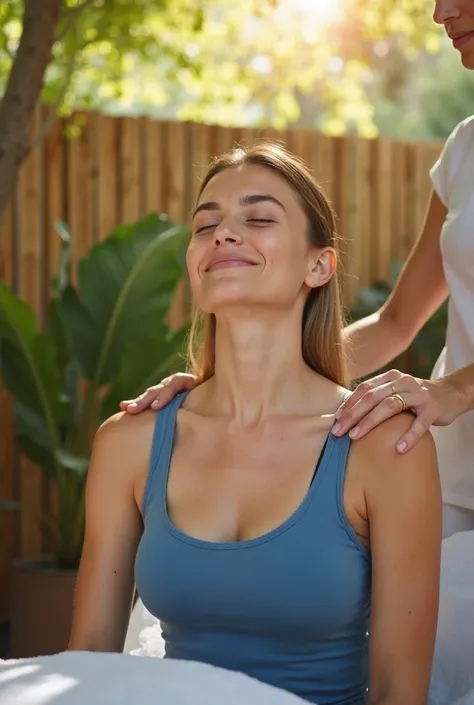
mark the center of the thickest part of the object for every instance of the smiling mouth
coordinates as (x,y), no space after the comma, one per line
(463,39)
(230,264)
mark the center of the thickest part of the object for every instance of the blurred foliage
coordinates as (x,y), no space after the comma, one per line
(274,62)
(435,95)
(105,339)
(420,358)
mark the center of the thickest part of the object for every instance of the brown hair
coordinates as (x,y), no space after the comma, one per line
(321,341)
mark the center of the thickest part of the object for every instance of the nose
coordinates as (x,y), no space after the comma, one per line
(446,10)
(224,234)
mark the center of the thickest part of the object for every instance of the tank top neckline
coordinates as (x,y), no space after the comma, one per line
(167,439)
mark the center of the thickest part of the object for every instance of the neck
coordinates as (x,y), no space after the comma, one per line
(259,367)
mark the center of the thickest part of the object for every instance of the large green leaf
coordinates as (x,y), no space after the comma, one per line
(144,364)
(126,284)
(28,364)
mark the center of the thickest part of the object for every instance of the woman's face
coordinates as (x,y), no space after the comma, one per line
(457,16)
(249,243)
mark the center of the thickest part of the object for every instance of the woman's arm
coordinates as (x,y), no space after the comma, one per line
(105,583)
(420,290)
(403,500)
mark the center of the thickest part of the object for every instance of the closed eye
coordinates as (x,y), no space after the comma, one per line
(257,221)
(204,228)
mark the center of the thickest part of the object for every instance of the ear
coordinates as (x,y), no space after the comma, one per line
(322,267)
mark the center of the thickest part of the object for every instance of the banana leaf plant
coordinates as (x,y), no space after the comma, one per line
(105,339)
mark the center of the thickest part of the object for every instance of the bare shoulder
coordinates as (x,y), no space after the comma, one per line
(123,425)
(123,442)
(386,472)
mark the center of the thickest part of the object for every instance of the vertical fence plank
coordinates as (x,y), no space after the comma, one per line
(381,204)
(129,170)
(412,212)
(272,135)
(325,166)
(7,451)
(400,201)
(108,167)
(54,196)
(349,210)
(176,175)
(54,210)
(30,289)
(154,166)
(82,189)
(201,157)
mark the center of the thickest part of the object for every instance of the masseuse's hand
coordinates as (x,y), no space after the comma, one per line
(433,402)
(161,394)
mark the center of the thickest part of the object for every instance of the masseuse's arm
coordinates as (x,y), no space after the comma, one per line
(421,288)
(105,583)
(403,500)
(374,341)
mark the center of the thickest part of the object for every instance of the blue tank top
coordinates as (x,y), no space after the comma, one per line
(290,608)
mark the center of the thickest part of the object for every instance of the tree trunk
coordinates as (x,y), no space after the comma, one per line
(23,89)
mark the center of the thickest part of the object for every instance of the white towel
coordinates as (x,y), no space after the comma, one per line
(82,678)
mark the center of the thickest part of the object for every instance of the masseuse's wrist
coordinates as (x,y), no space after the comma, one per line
(461,382)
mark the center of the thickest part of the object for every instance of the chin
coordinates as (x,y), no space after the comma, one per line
(467,60)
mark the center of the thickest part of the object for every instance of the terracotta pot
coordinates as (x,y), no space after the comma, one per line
(41,607)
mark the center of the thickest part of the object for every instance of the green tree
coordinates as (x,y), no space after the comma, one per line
(61,49)
(252,62)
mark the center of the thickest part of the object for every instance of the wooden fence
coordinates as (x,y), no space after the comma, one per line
(119,169)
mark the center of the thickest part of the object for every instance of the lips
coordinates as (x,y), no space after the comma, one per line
(229,262)
(461,38)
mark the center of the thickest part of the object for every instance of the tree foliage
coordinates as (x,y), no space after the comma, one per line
(247,62)
(242,62)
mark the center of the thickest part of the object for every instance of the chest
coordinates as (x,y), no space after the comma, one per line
(299,584)
(231,485)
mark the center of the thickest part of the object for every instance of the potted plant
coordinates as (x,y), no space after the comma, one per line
(106,339)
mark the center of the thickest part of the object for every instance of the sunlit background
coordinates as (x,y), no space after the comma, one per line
(317,14)
(378,67)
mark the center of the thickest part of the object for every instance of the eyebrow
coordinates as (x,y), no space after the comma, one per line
(244,201)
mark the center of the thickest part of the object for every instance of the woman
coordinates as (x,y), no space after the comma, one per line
(255,555)
(441,263)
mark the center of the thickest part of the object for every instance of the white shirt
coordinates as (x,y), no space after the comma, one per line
(453,180)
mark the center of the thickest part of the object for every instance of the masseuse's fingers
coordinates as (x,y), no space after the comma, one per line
(366,391)
(373,402)
(421,424)
(366,397)
(159,395)
(370,411)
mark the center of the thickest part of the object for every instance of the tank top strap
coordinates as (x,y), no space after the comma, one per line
(331,490)
(161,449)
